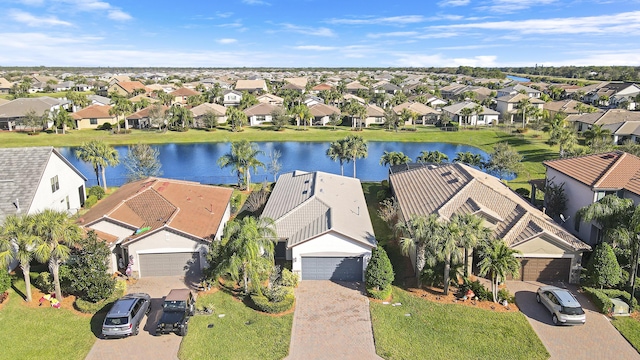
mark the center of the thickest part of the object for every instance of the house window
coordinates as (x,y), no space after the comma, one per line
(68,203)
(55,185)
(260,118)
(93,121)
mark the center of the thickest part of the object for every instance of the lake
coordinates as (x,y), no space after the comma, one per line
(518,78)
(197,162)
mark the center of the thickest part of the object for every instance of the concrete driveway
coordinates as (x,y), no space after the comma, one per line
(331,321)
(146,345)
(596,339)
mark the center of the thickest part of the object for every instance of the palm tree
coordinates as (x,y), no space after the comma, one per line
(302,114)
(247,242)
(448,248)
(468,158)
(236,118)
(62,119)
(122,106)
(392,158)
(434,157)
(523,104)
(498,260)
(100,155)
(473,232)
(422,234)
(361,113)
(596,134)
(242,158)
(17,241)
(405,116)
(356,149)
(57,233)
(478,109)
(465,113)
(337,151)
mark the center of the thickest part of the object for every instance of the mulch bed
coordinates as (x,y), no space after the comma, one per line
(4,298)
(436,295)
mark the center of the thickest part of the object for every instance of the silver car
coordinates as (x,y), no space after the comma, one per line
(125,316)
(564,307)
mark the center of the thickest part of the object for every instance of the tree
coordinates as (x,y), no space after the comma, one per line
(247,100)
(179,117)
(79,100)
(157,116)
(432,157)
(406,115)
(236,118)
(360,111)
(165,98)
(244,245)
(422,235)
(523,105)
(465,113)
(34,121)
(472,233)
(555,199)
(498,261)
(242,158)
(17,241)
(478,110)
(447,248)
(379,273)
(100,155)
(337,151)
(469,158)
(391,119)
(597,138)
(504,160)
(391,158)
(121,107)
(603,268)
(356,149)
(58,233)
(334,120)
(302,114)
(210,119)
(142,162)
(274,166)
(279,118)
(90,278)
(195,100)
(62,119)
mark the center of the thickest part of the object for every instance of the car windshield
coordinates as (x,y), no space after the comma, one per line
(174,305)
(116,320)
(572,310)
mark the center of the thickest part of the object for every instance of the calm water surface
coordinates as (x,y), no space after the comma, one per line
(197,162)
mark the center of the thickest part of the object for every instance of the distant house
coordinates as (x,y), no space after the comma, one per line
(507,105)
(99,100)
(232,98)
(386,88)
(354,86)
(200,110)
(311,100)
(5,86)
(259,113)
(567,107)
(93,116)
(375,115)
(588,179)
(426,114)
(82,87)
(181,95)
(251,86)
(271,99)
(516,89)
(322,113)
(351,97)
(323,225)
(549,252)
(456,114)
(294,87)
(321,87)
(127,88)
(13,113)
(37,178)
(162,227)
(621,123)
(140,119)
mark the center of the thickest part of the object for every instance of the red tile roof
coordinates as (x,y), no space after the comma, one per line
(184,92)
(93,112)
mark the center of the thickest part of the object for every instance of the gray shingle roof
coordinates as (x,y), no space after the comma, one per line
(305,205)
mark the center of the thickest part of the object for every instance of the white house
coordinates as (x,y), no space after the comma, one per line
(232,98)
(259,113)
(456,113)
(375,115)
(161,227)
(508,105)
(323,225)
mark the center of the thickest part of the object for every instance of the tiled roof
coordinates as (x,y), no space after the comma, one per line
(374,110)
(188,207)
(323,110)
(517,97)
(261,109)
(130,86)
(19,107)
(184,92)
(96,111)
(202,109)
(417,107)
(250,85)
(451,189)
(305,205)
(613,170)
(144,113)
(323,86)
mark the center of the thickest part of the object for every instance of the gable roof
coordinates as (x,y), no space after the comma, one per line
(611,116)
(517,97)
(300,82)
(355,85)
(374,110)
(183,91)
(608,171)
(202,109)
(260,109)
(305,205)
(185,206)
(130,86)
(321,109)
(4,84)
(567,106)
(456,108)
(456,188)
(19,107)
(417,107)
(95,111)
(21,171)
(251,85)
(321,87)
(144,113)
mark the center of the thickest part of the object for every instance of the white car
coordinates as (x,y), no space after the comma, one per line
(564,307)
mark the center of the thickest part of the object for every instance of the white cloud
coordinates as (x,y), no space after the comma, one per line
(321,31)
(445,3)
(118,15)
(424,60)
(226,41)
(315,47)
(393,34)
(35,21)
(393,20)
(510,6)
(255,2)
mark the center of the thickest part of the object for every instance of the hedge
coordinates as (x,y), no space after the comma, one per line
(264,305)
(89,307)
(602,298)
(382,294)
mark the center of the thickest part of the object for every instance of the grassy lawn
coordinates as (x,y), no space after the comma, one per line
(242,334)
(59,94)
(29,332)
(629,328)
(450,331)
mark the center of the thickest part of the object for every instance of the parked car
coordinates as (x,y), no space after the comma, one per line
(178,307)
(564,307)
(126,314)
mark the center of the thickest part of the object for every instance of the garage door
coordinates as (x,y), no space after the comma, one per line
(332,268)
(545,269)
(170,264)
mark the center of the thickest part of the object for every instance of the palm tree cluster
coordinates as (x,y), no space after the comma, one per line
(99,155)
(351,148)
(242,158)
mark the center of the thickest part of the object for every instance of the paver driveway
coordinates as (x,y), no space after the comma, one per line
(146,345)
(596,339)
(331,321)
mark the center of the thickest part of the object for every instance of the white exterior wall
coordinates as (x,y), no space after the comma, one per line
(112,229)
(164,242)
(69,182)
(329,244)
(253,120)
(223,222)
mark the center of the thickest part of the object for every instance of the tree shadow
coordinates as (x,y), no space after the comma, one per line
(98,319)
(19,292)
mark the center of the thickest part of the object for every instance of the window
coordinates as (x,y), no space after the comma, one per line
(93,121)
(260,118)
(55,185)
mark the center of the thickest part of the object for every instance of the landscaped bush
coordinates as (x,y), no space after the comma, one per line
(89,307)
(383,294)
(91,200)
(478,289)
(379,274)
(288,278)
(97,190)
(44,282)
(105,126)
(504,294)
(522,130)
(5,281)
(523,192)
(263,303)
(602,298)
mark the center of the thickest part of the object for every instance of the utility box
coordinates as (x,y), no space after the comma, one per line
(620,307)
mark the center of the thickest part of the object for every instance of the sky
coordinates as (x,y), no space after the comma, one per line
(319,33)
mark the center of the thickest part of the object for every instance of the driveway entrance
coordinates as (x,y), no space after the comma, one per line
(331,321)
(596,339)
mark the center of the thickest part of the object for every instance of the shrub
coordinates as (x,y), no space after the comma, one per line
(97,190)
(504,294)
(91,200)
(264,305)
(523,192)
(277,293)
(89,307)
(522,130)
(105,126)
(44,282)
(600,299)
(481,292)
(89,274)
(5,281)
(603,268)
(382,294)
(379,274)
(288,278)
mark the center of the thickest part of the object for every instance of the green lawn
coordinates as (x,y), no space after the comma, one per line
(42,332)
(450,331)
(629,328)
(242,333)
(59,94)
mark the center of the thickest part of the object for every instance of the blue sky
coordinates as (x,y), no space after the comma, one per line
(314,33)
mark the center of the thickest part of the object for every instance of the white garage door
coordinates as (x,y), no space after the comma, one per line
(170,264)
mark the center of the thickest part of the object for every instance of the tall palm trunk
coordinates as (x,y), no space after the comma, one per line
(245,278)
(420,262)
(447,269)
(494,287)
(341,168)
(26,267)
(354,166)
(466,261)
(104,178)
(54,267)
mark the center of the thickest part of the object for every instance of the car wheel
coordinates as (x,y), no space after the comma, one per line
(554,318)
(183,330)
(136,331)
(538,298)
